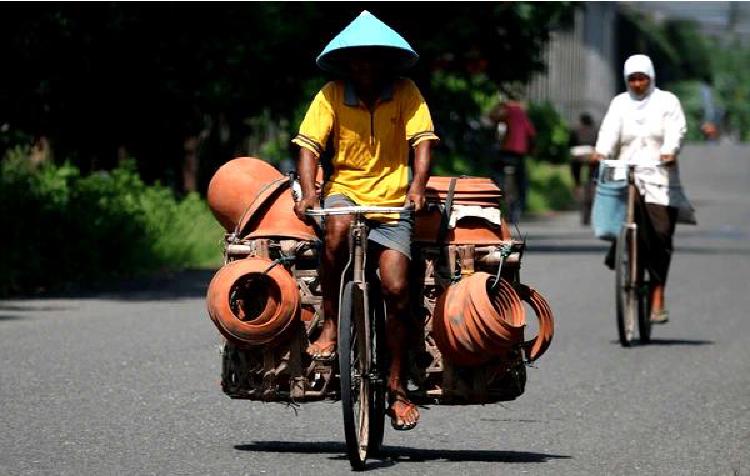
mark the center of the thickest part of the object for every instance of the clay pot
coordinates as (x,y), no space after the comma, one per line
(474,324)
(276,218)
(477,191)
(238,185)
(251,304)
(468,230)
(251,197)
(481,191)
(539,344)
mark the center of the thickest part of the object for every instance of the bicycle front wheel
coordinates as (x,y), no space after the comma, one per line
(625,284)
(354,374)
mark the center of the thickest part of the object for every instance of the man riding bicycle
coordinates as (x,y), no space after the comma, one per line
(373,117)
(645,126)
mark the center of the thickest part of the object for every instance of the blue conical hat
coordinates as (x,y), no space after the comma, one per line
(367,31)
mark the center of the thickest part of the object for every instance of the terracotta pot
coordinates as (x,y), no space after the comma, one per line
(474,324)
(251,304)
(251,197)
(477,191)
(276,218)
(438,185)
(537,346)
(468,230)
(241,185)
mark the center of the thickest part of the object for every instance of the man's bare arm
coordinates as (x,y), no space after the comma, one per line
(307,166)
(422,157)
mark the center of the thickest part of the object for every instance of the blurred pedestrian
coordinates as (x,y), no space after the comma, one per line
(516,144)
(582,141)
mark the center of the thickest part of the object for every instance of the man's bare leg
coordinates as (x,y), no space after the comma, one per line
(334,260)
(394,267)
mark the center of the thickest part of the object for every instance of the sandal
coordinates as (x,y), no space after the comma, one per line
(660,317)
(407,408)
(322,352)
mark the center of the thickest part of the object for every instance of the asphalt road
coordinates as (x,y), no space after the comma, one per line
(126,382)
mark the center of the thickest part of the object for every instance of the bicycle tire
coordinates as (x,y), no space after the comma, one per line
(355,390)
(625,290)
(379,365)
(644,303)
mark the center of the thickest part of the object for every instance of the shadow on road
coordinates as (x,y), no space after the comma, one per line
(8,317)
(394,454)
(572,249)
(680,342)
(602,249)
(668,342)
(177,285)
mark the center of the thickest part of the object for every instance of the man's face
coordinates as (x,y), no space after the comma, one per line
(639,83)
(365,72)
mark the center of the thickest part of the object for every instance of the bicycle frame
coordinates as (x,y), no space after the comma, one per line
(631,225)
(632,291)
(360,381)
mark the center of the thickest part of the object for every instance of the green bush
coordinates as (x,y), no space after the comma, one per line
(62,227)
(552,143)
(550,187)
(689,93)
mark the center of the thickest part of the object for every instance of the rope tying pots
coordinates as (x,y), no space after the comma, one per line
(474,324)
(252,302)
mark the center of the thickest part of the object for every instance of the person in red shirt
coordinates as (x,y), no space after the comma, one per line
(517,143)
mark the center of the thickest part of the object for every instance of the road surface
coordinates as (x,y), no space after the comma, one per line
(126,381)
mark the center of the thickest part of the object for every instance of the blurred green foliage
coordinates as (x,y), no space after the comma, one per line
(115,76)
(112,80)
(685,58)
(550,187)
(552,143)
(64,227)
(731,78)
(689,93)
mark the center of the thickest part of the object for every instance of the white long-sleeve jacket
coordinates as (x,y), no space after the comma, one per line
(639,131)
(644,129)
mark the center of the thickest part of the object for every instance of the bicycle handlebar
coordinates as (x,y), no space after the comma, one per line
(356,210)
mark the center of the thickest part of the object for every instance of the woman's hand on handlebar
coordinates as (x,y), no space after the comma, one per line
(303,205)
(668,159)
(596,157)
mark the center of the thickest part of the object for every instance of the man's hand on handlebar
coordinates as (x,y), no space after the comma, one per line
(303,205)
(415,198)
(596,157)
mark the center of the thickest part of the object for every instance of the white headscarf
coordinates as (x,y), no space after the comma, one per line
(640,64)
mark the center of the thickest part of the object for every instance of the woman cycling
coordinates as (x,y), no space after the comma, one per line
(645,126)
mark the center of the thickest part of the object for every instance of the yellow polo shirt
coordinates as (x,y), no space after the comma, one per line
(371,148)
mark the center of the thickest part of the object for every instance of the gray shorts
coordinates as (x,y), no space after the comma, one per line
(394,236)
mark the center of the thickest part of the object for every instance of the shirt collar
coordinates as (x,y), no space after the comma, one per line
(351,99)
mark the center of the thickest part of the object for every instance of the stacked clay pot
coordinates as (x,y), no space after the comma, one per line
(253,301)
(474,323)
(470,191)
(472,327)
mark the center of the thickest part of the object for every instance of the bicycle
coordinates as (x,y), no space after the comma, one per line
(631,288)
(361,334)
